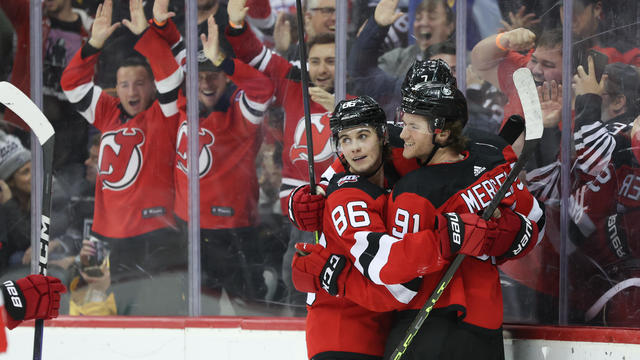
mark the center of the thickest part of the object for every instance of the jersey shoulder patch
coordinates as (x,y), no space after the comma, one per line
(351,181)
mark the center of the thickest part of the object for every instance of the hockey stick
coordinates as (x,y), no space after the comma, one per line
(533,114)
(302,47)
(21,105)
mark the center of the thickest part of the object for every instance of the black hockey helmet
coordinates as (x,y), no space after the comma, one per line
(430,89)
(361,111)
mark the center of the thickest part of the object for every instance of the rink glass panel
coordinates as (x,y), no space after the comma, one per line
(242,273)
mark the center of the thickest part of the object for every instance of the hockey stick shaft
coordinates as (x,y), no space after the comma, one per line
(531,106)
(45,222)
(21,105)
(302,47)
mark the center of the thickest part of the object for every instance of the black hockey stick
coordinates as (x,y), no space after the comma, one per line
(533,125)
(19,103)
(302,47)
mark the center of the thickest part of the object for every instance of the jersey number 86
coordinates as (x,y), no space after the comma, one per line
(355,215)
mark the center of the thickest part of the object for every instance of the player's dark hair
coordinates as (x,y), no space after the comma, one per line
(457,141)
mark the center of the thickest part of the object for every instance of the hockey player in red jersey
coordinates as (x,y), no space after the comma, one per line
(233,97)
(135,191)
(452,182)
(336,327)
(32,297)
(452,179)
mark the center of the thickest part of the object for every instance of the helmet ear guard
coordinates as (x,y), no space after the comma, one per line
(438,125)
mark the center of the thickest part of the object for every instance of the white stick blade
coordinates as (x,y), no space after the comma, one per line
(19,103)
(528,95)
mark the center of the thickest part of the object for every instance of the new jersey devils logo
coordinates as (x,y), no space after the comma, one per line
(205,160)
(321,133)
(120,158)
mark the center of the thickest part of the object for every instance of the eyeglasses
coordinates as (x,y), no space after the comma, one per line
(325,10)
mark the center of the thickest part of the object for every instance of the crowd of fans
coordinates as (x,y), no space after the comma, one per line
(113,88)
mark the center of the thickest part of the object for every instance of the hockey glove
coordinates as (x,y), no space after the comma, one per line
(305,210)
(318,269)
(511,235)
(461,233)
(32,297)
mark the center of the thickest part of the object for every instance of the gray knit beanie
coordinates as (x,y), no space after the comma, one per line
(12,155)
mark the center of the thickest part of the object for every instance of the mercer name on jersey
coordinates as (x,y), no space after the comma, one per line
(478,196)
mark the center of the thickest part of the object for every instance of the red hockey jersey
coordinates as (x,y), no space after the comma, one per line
(134,189)
(463,187)
(286,79)
(229,142)
(336,324)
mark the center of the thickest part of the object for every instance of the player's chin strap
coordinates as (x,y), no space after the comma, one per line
(438,127)
(374,171)
(367,175)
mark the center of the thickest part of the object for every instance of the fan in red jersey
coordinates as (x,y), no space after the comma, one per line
(32,297)
(134,195)
(233,97)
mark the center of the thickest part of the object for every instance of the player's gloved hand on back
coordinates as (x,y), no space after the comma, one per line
(504,237)
(461,234)
(314,268)
(32,297)
(305,209)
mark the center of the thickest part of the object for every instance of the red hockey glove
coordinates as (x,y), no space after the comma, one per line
(32,297)
(461,233)
(305,210)
(511,235)
(318,269)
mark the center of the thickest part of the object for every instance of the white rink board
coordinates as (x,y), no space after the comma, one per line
(566,350)
(238,344)
(157,344)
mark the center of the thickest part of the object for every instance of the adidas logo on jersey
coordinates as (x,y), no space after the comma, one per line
(346,179)
(477,170)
